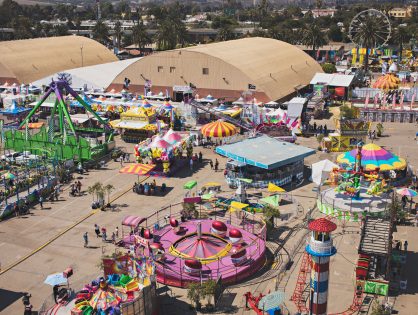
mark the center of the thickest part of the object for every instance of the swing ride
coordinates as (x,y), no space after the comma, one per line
(64,137)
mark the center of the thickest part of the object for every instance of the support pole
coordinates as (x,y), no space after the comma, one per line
(33,111)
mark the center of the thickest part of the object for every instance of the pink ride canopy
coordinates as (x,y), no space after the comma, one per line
(132,220)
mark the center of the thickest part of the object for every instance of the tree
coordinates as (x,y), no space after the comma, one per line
(329,67)
(379,309)
(347,112)
(313,37)
(101,32)
(77,24)
(22,27)
(368,36)
(60,30)
(270,213)
(380,129)
(209,290)
(118,33)
(335,34)
(108,189)
(195,293)
(401,36)
(226,32)
(140,36)
(164,36)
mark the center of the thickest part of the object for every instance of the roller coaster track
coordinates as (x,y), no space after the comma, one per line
(220,115)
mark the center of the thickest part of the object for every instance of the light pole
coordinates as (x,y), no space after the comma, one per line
(81,52)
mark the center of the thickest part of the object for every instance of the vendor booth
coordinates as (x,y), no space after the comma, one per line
(264,160)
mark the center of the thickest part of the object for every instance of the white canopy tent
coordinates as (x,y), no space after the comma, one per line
(321,169)
(94,77)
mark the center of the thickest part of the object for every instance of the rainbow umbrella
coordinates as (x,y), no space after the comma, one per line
(218,129)
(373,157)
(8,175)
(406,192)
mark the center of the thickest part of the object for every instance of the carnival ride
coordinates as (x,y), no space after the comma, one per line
(193,250)
(62,136)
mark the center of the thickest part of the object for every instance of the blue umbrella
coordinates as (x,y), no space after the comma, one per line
(56,279)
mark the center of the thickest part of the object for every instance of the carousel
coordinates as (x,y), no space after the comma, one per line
(362,183)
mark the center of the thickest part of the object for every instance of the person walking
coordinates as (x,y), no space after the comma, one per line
(191,164)
(104,236)
(113,238)
(97,230)
(79,187)
(405,246)
(41,201)
(86,239)
(211,164)
(117,232)
(200,157)
(216,165)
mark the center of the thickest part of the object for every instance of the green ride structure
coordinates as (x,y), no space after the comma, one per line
(61,136)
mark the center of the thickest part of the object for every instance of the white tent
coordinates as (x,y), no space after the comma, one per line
(321,169)
(94,77)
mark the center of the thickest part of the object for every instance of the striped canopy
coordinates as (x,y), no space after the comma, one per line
(137,169)
(218,129)
(373,157)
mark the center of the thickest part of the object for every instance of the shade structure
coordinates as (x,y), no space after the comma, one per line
(321,169)
(172,137)
(373,157)
(137,169)
(406,192)
(387,82)
(218,129)
(161,144)
(274,188)
(235,206)
(212,184)
(271,200)
(56,279)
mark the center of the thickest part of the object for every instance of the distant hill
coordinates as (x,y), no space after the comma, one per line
(32,2)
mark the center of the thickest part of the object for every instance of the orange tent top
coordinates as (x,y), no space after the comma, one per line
(137,169)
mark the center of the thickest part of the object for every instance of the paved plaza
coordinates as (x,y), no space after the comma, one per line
(50,239)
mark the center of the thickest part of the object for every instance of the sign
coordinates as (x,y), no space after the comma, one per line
(271,300)
(182,88)
(251,87)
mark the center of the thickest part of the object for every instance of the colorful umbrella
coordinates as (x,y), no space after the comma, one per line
(137,169)
(373,157)
(8,175)
(406,192)
(218,129)
(56,279)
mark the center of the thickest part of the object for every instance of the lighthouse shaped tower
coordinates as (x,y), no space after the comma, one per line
(320,248)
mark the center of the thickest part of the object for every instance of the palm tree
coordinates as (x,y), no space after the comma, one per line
(226,32)
(101,32)
(108,189)
(313,37)
(77,25)
(400,36)
(118,33)
(140,36)
(164,36)
(194,293)
(367,36)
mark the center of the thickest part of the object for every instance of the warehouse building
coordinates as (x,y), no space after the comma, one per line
(271,69)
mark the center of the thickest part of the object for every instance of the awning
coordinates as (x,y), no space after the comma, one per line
(274,188)
(130,124)
(321,169)
(132,220)
(137,169)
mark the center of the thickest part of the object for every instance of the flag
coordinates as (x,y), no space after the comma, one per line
(394,100)
(2,130)
(26,132)
(366,103)
(376,99)
(401,100)
(412,99)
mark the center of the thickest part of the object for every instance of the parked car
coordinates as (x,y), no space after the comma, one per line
(10,157)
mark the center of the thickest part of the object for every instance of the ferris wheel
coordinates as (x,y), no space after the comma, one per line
(370,28)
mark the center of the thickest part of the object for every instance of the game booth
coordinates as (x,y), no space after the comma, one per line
(167,152)
(361,185)
(264,160)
